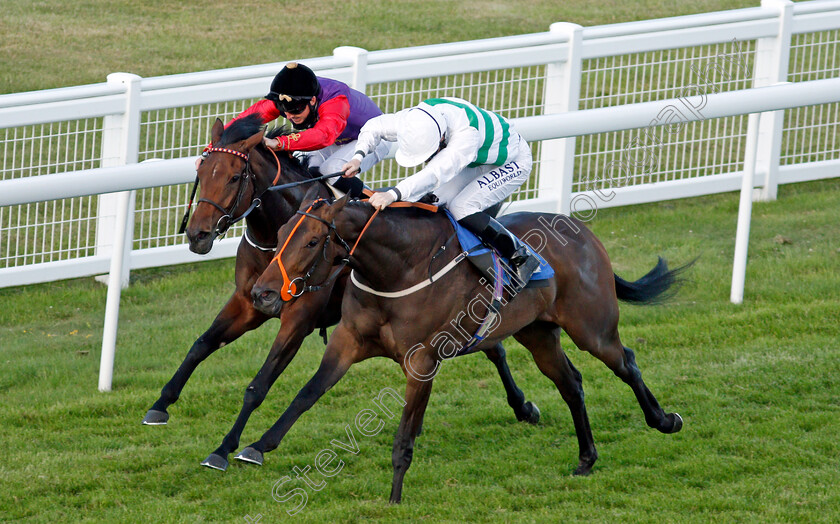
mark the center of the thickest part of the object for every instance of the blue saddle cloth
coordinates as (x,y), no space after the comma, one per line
(471,243)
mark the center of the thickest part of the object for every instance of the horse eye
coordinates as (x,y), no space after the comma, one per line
(312,243)
(234,178)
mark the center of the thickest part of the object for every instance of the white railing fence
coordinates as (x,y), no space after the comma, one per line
(617,114)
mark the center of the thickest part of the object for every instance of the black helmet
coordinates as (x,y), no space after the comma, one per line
(293,87)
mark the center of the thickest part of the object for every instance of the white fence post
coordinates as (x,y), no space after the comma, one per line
(359,57)
(772,56)
(742,233)
(562,93)
(121,145)
(119,259)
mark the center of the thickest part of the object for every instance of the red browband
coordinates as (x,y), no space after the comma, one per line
(226,150)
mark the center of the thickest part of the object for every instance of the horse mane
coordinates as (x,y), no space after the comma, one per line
(250,125)
(240,129)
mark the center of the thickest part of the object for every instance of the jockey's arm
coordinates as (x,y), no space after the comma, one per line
(332,119)
(265,108)
(375,130)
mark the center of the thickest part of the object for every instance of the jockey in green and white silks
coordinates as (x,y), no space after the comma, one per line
(474,159)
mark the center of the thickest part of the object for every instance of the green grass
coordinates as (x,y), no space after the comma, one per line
(755,383)
(56,44)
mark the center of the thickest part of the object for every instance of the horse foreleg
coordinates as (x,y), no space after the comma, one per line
(238,316)
(293,330)
(342,351)
(416,398)
(524,411)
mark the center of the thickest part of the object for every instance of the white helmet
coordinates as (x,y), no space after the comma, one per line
(419,132)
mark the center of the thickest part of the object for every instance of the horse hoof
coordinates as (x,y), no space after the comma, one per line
(155,418)
(585,466)
(215,462)
(532,413)
(250,455)
(678,423)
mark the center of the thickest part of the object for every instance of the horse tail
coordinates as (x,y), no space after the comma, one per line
(657,286)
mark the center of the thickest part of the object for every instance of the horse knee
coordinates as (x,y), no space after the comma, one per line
(629,370)
(402,455)
(199,351)
(254,396)
(576,374)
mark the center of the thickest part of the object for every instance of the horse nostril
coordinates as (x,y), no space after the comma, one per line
(264,296)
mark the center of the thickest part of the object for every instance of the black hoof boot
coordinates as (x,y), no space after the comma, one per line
(155,418)
(215,462)
(250,455)
(678,423)
(531,414)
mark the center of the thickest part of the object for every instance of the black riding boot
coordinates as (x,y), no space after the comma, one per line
(494,234)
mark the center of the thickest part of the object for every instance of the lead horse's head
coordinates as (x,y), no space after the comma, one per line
(307,247)
(225,180)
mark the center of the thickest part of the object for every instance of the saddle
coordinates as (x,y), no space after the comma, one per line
(483,258)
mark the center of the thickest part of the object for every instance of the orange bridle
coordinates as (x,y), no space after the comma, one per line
(289,289)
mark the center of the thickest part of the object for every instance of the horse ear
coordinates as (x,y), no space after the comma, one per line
(337,206)
(311,193)
(216,132)
(254,140)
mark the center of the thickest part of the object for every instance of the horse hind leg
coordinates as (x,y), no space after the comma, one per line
(524,411)
(543,341)
(655,416)
(622,362)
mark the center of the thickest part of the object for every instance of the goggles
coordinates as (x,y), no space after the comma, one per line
(289,104)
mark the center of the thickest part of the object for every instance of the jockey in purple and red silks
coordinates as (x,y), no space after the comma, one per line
(326,116)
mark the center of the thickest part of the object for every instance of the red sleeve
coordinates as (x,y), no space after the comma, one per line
(265,108)
(332,119)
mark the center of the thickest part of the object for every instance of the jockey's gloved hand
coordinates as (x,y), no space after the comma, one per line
(201,157)
(351,168)
(382,199)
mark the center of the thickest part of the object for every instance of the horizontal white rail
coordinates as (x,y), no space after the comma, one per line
(536,128)
(691,108)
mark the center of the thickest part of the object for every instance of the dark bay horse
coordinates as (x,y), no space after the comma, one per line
(394,254)
(236,173)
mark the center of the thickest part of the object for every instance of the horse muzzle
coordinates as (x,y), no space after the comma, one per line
(266,300)
(201,242)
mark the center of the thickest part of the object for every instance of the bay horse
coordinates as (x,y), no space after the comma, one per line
(234,178)
(394,254)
